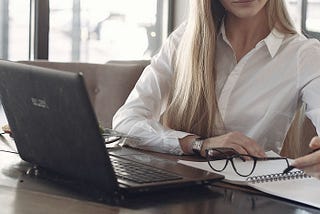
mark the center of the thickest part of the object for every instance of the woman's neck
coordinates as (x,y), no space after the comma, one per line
(245,33)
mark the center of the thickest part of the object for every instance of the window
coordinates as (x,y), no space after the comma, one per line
(102,30)
(14,29)
(305,14)
(82,30)
(311,17)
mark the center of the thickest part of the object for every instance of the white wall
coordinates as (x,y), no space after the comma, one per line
(180,12)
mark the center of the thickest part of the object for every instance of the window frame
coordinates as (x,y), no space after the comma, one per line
(39,29)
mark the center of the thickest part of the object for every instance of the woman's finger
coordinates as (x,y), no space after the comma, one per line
(315,143)
(308,160)
(239,149)
(251,146)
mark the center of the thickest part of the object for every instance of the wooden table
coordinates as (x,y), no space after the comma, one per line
(25,193)
(21,192)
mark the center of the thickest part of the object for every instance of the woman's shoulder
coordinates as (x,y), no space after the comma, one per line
(171,44)
(302,42)
(300,45)
(177,34)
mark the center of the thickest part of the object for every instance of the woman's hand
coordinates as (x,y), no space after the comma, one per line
(310,163)
(236,140)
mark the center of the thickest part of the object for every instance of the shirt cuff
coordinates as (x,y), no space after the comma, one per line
(171,142)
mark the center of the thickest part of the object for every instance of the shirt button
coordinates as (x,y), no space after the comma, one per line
(96,90)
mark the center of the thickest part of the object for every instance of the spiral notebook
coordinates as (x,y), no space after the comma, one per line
(267,177)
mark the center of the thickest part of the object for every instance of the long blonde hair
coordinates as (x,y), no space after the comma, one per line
(193,105)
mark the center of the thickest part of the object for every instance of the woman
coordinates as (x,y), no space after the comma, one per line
(232,76)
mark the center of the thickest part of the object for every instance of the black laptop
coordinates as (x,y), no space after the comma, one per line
(54,127)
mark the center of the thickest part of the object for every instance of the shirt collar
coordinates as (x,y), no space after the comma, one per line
(273,41)
(222,32)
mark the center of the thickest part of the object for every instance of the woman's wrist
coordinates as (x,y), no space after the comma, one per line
(186,144)
(204,147)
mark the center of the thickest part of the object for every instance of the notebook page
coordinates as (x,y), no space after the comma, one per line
(305,190)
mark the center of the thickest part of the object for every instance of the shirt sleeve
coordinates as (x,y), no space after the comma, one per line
(309,80)
(140,115)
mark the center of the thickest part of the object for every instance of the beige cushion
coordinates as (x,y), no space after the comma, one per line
(108,84)
(299,135)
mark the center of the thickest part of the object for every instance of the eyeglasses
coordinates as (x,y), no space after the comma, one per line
(218,159)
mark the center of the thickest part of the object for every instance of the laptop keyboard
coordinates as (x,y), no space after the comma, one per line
(140,173)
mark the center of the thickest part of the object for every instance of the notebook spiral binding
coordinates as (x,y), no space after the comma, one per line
(277,177)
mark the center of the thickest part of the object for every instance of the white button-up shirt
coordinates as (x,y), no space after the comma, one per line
(257,96)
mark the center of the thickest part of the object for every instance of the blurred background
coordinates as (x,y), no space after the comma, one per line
(97,31)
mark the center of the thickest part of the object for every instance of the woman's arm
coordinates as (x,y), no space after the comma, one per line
(309,82)
(140,115)
(310,163)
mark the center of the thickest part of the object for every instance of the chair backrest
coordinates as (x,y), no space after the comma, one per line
(108,84)
(299,135)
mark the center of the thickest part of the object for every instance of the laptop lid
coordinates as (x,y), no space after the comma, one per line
(53,123)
